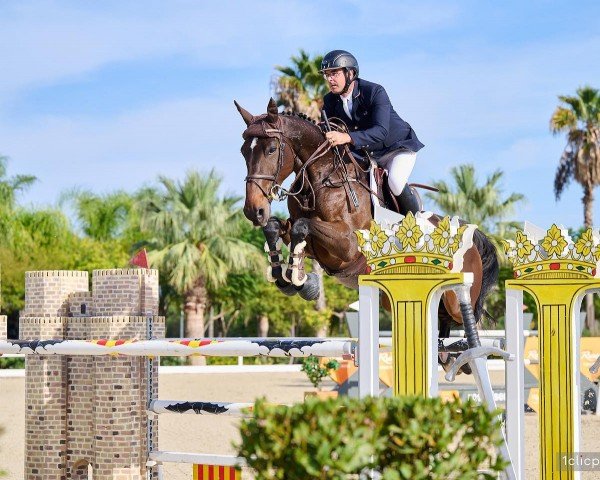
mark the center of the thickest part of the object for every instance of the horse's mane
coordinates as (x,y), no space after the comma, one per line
(301,116)
(257,127)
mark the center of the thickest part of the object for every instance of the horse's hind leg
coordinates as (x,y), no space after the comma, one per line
(308,283)
(272,232)
(471,263)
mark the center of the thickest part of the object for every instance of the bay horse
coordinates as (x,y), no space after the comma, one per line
(328,201)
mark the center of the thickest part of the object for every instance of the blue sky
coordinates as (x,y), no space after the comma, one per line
(108,95)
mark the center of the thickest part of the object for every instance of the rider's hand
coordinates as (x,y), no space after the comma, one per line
(338,138)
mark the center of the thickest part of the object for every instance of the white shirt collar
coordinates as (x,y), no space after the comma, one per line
(347,104)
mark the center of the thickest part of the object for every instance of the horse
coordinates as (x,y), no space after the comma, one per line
(328,201)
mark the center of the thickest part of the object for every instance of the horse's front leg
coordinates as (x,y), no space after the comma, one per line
(273,232)
(308,284)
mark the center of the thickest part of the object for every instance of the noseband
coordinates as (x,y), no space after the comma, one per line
(263,130)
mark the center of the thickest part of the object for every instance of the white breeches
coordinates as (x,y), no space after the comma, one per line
(399,168)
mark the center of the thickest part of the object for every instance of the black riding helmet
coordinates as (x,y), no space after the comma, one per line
(340,59)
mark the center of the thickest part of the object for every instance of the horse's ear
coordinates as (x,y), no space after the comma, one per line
(246,115)
(272,111)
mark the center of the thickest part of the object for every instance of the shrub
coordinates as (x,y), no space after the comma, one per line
(315,371)
(15,363)
(398,438)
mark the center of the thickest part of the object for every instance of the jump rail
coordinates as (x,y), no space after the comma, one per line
(200,408)
(208,347)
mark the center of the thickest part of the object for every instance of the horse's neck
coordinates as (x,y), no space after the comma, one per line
(304,144)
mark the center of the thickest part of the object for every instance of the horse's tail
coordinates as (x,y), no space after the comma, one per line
(491,268)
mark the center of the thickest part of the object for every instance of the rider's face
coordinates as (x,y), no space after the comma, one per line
(335,79)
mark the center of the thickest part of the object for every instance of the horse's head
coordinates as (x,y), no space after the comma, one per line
(268,159)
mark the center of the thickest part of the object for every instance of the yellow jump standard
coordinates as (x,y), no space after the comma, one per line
(414,262)
(557,273)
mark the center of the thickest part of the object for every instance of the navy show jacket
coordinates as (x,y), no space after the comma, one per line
(375,126)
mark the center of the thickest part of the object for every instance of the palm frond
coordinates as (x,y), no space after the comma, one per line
(579,117)
(562,120)
(564,173)
(196,232)
(483,205)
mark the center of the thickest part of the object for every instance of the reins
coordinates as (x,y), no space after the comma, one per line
(277,192)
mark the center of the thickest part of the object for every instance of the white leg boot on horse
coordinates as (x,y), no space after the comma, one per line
(307,284)
(272,231)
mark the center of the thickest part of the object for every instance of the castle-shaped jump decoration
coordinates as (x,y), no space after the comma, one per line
(415,245)
(537,255)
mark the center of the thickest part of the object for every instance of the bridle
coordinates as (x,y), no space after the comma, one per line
(262,129)
(271,193)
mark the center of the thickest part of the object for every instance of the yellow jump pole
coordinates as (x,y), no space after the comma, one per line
(556,272)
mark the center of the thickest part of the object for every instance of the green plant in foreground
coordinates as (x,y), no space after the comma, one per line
(398,438)
(317,372)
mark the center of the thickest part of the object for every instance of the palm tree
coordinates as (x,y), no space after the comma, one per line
(301,87)
(482,205)
(102,217)
(195,236)
(23,229)
(9,188)
(579,118)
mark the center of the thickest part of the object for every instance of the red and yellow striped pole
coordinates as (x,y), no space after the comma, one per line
(216,472)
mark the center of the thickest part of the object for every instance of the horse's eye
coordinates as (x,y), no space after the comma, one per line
(272,150)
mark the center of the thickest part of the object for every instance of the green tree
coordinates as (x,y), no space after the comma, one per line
(194,235)
(579,118)
(23,229)
(10,187)
(301,87)
(484,205)
(101,217)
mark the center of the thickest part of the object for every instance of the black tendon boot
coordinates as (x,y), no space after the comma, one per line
(409,200)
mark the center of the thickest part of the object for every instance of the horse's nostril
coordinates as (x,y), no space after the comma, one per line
(260,213)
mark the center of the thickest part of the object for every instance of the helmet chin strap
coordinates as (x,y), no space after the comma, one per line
(348,81)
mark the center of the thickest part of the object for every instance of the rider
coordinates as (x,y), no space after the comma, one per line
(373,124)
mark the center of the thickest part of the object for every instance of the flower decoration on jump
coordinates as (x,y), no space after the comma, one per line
(409,232)
(585,244)
(524,246)
(414,243)
(554,243)
(535,254)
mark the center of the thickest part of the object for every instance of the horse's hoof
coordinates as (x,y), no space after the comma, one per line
(288,289)
(310,289)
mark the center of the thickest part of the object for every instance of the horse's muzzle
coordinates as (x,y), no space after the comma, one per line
(257,215)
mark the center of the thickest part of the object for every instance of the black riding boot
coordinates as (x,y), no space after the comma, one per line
(409,200)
